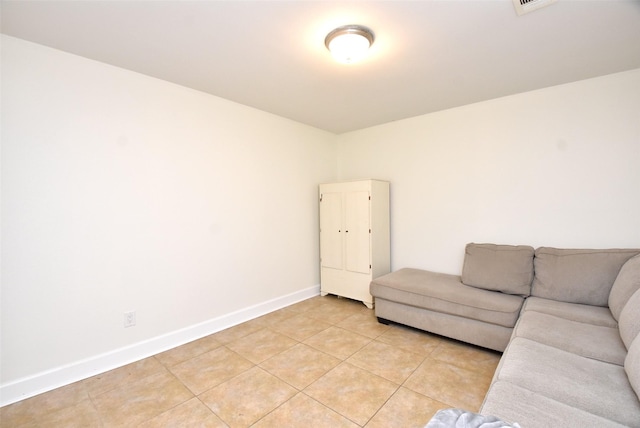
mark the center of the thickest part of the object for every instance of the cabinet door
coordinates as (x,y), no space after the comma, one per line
(331,230)
(357,235)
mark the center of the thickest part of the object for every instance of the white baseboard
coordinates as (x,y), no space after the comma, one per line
(51,379)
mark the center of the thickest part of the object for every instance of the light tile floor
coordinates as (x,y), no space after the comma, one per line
(324,362)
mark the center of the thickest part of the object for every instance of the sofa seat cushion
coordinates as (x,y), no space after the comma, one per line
(577,276)
(632,367)
(515,404)
(587,340)
(590,385)
(446,293)
(505,268)
(596,315)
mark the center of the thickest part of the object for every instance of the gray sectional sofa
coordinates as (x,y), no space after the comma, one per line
(567,321)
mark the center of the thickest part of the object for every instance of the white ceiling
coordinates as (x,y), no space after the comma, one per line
(428,55)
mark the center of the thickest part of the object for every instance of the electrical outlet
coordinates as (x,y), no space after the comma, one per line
(130,319)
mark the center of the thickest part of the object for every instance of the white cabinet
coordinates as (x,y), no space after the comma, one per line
(354,237)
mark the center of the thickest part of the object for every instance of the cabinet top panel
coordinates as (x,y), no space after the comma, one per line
(373,186)
(366,180)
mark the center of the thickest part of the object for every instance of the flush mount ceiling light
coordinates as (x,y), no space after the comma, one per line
(349,43)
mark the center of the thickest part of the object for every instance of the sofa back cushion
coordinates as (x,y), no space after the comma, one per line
(629,324)
(577,276)
(625,285)
(505,268)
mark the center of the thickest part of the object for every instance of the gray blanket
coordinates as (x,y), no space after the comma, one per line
(458,418)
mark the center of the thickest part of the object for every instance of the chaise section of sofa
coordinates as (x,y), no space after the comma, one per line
(442,304)
(481,306)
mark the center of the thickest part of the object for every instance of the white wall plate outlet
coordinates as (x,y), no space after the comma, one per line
(130,319)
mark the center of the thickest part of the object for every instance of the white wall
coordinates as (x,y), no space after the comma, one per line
(554,167)
(122,192)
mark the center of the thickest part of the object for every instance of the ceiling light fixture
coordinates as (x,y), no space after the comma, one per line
(349,43)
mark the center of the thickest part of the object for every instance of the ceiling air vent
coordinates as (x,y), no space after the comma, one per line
(526,6)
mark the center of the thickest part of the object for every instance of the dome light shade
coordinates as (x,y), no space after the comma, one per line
(349,43)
